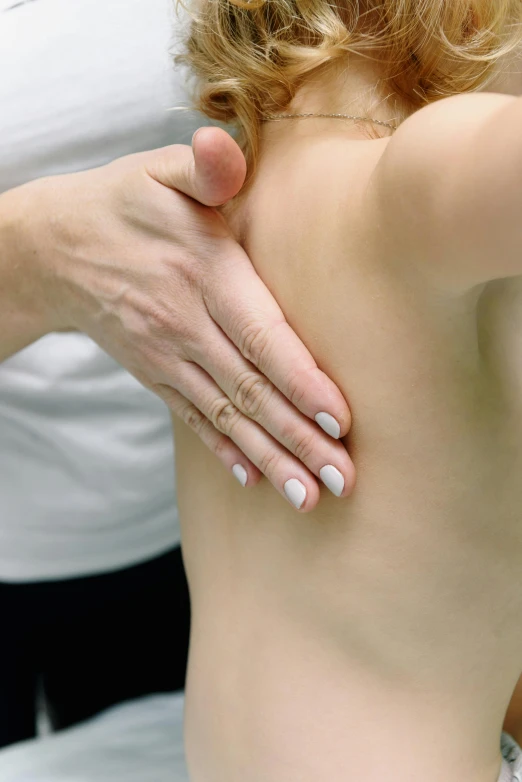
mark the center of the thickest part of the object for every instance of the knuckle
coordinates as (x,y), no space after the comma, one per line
(159,321)
(253,341)
(303,446)
(296,388)
(268,462)
(146,322)
(188,270)
(222,446)
(252,393)
(223,415)
(192,417)
(151,319)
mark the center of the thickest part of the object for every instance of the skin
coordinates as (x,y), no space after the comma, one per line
(379,638)
(136,255)
(513,720)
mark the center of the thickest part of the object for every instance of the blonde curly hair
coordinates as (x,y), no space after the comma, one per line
(249,57)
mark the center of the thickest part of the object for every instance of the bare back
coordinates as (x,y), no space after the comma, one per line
(379,637)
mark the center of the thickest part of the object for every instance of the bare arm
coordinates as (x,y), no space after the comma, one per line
(25,310)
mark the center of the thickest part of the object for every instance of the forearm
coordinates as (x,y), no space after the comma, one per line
(25,311)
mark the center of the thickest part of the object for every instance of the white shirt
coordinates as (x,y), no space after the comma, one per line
(86,457)
(137,741)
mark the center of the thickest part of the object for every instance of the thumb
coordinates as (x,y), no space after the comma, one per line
(220,167)
(212,171)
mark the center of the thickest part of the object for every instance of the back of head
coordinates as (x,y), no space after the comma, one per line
(250,57)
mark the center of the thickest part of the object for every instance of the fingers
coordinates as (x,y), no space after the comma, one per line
(286,473)
(217,442)
(246,311)
(212,171)
(275,349)
(255,397)
(220,167)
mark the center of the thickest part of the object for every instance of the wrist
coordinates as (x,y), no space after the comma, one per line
(30,282)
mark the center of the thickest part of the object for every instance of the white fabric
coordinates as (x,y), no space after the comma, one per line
(86,462)
(141,741)
(511,760)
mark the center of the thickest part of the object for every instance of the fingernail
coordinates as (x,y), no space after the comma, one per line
(329,424)
(194,135)
(332,479)
(295,492)
(240,473)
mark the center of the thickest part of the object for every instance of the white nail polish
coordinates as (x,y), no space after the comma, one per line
(329,424)
(295,492)
(332,479)
(240,473)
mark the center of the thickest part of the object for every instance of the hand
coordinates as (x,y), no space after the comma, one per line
(139,259)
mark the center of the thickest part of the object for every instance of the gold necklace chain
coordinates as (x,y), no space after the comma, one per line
(277,117)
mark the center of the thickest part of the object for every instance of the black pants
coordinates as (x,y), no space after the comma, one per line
(90,643)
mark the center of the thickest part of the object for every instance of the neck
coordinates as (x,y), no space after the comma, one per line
(354,87)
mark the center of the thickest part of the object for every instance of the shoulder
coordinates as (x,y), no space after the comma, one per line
(438,133)
(432,187)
